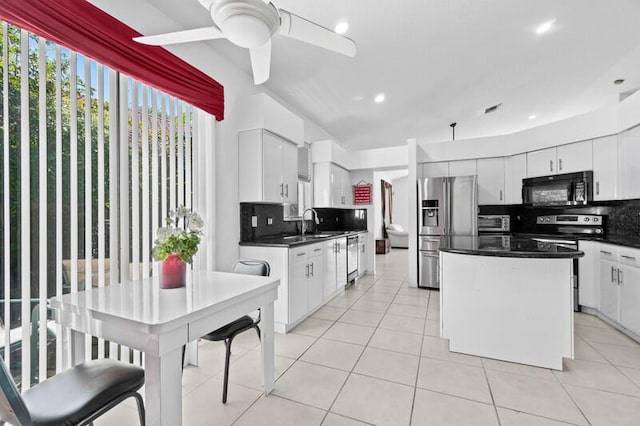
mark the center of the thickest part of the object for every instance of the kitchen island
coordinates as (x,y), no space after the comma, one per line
(507,298)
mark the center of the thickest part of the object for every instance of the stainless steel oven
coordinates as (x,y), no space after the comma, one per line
(570,189)
(500,223)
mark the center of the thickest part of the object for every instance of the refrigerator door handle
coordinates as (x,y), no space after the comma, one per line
(474,206)
(445,208)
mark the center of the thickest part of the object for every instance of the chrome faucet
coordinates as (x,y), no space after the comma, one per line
(303,226)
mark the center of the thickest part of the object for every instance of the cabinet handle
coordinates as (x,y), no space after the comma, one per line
(605,252)
(551,165)
(307,270)
(628,257)
(287,191)
(501,195)
(620,276)
(560,164)
(597,188)
(613,273)
(302,254)
(311,269)
(317,250)
(282,189)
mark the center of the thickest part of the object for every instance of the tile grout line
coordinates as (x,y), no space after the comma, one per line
(571,397)
(415,383)
(493,401)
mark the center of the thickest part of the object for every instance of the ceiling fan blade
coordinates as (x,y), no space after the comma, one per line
(261,62)
(197,34)
(309,32)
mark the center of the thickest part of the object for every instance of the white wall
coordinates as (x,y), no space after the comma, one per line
(401,202)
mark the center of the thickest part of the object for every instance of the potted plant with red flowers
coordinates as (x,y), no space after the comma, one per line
(176,244)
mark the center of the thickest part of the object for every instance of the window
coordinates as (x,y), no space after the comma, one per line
(91,162)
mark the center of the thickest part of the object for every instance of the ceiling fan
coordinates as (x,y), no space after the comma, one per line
(251,24)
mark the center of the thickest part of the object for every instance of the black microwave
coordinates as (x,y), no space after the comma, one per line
(569,189)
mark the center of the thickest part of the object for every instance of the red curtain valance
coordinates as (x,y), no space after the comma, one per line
(82,27)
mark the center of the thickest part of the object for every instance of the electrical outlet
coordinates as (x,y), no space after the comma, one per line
(321,220)
(269,221)
(254,221)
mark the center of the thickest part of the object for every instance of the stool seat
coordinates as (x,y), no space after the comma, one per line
(76,394)
(230,329)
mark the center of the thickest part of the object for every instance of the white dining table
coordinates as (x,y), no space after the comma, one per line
(158,322)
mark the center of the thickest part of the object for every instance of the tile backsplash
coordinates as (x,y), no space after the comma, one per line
(270,221)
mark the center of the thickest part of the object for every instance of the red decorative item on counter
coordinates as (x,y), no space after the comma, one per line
(174,272)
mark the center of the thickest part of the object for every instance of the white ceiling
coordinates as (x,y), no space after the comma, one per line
(440,61)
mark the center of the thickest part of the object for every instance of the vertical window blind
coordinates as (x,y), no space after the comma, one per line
(91,162)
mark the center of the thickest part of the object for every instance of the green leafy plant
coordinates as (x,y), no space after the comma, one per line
(181,236)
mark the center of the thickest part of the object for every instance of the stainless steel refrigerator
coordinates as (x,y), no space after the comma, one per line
(448,206)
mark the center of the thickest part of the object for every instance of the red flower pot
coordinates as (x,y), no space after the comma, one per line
(174,272)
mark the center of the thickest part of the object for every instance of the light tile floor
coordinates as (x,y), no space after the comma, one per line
(372,356)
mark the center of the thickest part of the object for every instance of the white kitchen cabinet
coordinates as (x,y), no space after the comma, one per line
(609,289)
(629,283)
(589,274)
(267,168)
(341,263)
(362,254)
(628,164)
(541,162)
(491,181)
(463,168)
(331,185)
(316,277)
(438,169)
(575,157)
(570,158)
(515,171)
(330,269)
(605,168)
(298,284)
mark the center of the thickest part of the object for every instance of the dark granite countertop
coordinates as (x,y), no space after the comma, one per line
(506,246)
(297,240)
(629,240)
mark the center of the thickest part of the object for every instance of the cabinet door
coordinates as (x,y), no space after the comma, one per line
(609,289)
(362,257)
(330,265)
(516,170)
(541,163)
(463,168)
(316,282)
(322,185)
(491,181)
(347,196)
(336,186)
(341,260)
(589,275)
(290,172)
(575,157)
(629,166)
(272,183)
(439,169)
(629,278)
(298,288)
(605,168)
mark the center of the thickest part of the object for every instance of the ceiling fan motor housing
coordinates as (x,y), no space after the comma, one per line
(246,23)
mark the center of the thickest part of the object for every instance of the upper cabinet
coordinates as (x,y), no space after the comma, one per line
(574,157)
(439,169)
(629,166)
(268,168)
(605,168)
(515,171)
(463,168)
(331,185)
(491,181)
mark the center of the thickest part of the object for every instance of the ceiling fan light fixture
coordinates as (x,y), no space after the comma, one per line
(379,98)
(545,27)
(246,23)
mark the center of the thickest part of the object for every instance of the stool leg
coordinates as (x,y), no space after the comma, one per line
(227,343)
(141,412)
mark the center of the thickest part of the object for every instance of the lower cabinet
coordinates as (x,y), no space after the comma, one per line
(309,276)
(629,279)
(362,254)
(589,274)
(609,291)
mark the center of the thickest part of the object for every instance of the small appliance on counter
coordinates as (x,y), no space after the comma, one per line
(570,189)
(494,223)
(447,206)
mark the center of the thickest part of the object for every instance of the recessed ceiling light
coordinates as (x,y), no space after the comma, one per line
(545,26)
(341,27)
(379,98)
(357,98)
(532,117)
(618,81)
